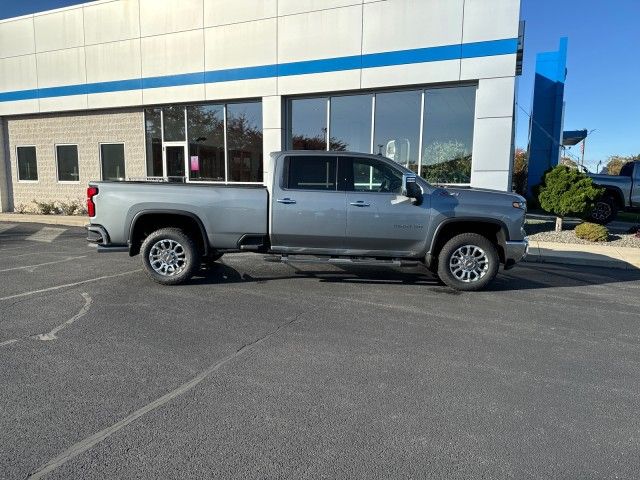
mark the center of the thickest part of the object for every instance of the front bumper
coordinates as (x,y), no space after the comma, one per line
(515,252)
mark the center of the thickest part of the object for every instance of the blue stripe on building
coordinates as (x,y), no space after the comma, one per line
(372,60)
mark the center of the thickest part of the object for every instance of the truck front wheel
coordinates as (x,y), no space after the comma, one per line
(468,262)
(169,256)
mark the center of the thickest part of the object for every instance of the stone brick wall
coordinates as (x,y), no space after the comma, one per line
(87,130)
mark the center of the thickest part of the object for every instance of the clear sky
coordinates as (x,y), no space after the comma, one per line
(603,82)
(602,89)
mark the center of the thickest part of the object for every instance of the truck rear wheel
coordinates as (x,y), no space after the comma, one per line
(169,256)
(605,210)
(468,262)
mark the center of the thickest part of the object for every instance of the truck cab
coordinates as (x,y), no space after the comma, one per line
(622,192)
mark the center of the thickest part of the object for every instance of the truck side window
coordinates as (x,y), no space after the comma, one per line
(627,170)
(374,176)
(308,172)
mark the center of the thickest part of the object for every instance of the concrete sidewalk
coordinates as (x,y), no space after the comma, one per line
(625,258)
(67,220)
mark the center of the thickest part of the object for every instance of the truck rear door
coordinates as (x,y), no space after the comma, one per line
(308,209)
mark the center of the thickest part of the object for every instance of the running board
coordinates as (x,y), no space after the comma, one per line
(375,262)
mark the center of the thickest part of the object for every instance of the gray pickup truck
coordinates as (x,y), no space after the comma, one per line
(622,192)
(331,207)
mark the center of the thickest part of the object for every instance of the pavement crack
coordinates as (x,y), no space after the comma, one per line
(91,441)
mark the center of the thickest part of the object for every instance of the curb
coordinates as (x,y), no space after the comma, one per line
(66,220)
(619,258)
(583,262)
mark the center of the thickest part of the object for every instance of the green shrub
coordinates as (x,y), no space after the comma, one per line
(70,208)
(46,208)
(567,191)
(21,208)
(592,232)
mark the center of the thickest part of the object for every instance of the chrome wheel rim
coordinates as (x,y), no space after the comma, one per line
(469,263)
(167,257)
(601,211)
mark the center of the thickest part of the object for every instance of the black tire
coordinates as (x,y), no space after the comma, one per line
(175,254)
(482,257)
(605,210)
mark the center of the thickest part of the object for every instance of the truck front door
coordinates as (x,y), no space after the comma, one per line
(308,206)
(381,221)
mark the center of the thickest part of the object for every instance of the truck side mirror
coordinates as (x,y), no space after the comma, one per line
(410,187)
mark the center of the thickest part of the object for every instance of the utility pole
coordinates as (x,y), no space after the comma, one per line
(584,142)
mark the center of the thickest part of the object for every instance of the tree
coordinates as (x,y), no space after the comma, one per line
(520,170)
(567,191)
(568,162)
(446,162)
(616,162)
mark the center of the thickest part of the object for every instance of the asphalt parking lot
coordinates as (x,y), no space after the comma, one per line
(262,370)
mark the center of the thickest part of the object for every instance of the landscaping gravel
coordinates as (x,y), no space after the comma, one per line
(544,232)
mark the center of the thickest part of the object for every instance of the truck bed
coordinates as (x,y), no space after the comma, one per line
(227,212)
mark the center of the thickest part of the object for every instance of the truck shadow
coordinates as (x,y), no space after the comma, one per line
(527,276)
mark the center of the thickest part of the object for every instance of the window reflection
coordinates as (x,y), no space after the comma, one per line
(397,127)
(27,163)
(448,134)
(244,141)
(205,126)
(173,120)
(153,130)
(67,157)
(350,123)
(308,130)
(312,173)
(112,156)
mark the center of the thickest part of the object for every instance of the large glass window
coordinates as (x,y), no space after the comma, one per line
(244,142)
(448,134)
(27,164)
(397,127)
(112,158)
(350,123)
(375,176)
(308,127)
(173,122)
(153,126)
(205,126)
(311,173)
(445,140)
(67,158)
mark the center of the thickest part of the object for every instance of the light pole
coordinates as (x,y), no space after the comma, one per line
(584,142)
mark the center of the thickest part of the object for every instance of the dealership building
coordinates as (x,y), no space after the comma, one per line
(204,90)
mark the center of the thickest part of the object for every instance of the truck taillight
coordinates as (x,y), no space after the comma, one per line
(91,207)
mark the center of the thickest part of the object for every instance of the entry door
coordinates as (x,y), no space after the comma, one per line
(175,159)
(308,214)
(379,219)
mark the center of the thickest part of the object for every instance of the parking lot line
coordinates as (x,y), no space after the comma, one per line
(58,287)
(29,267)
(83,311)
(89,442)
(46,234)
(6,226)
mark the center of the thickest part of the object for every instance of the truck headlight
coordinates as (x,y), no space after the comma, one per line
(520,205)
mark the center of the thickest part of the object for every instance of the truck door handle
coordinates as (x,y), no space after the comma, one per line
(286,201)
(360,203)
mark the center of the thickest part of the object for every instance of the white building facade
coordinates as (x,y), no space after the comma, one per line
(204,90)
